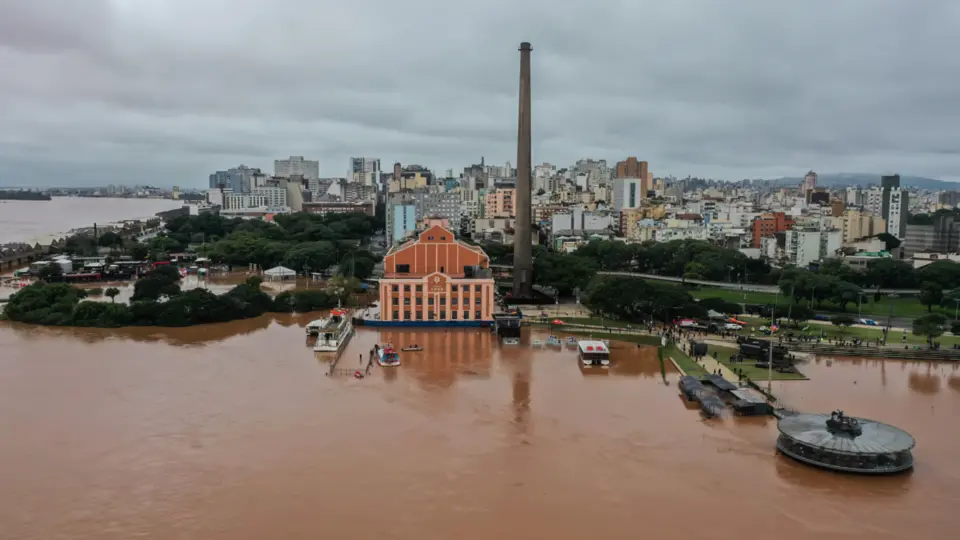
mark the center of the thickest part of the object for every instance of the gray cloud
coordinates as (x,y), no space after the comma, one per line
(166,91)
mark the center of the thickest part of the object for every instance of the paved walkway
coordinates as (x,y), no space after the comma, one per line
(711,365)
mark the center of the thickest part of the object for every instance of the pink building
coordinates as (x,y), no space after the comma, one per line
(500,203)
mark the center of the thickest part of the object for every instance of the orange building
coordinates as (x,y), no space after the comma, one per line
(499,203)
(767,224)
(435,280)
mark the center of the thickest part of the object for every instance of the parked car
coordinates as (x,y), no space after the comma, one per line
(868,322)
(821,318)
(732,326)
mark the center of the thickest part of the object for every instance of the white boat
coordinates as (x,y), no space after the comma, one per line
(554,341)
(571,341)
(593,353)
(333,332)
(387,356)
(511,341)
(537,343)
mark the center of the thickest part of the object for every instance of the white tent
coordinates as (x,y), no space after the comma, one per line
(280,272)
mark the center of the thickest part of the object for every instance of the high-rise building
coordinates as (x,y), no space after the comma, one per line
(627,193)
(296,165)
(890,202)
(364,170)
(809,182)
(804,246)
(238,179)
(499,203)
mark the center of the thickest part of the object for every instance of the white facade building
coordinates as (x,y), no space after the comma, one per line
(296,165)
(273,196)
(627,193)
(806,246)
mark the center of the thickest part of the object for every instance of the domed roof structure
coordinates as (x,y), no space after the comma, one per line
(844,443)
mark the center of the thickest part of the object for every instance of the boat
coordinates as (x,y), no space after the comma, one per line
(387,356)
(571,341)
(593,353)
(511,341)
(554,341)
(413,348)
(333,332)
(537,343)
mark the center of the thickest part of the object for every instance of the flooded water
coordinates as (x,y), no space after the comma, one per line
(41,221)
(235,431)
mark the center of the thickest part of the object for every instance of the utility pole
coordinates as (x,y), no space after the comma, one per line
(957,310)
(860,304)
(892,297)
(773,315)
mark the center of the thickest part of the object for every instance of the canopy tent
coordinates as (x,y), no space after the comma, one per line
(280,272)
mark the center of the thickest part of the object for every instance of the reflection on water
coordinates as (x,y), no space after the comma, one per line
(144,432)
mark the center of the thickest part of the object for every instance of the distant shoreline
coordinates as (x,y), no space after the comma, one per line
(24,196)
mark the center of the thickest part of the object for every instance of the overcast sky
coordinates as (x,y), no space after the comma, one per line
(167,91)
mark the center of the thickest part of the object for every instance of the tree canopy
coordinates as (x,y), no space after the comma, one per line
(638,300)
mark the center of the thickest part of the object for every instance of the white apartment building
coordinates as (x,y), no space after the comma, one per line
(296,165)
(804,246)
(668,234)
(273,196)
(896,215)
(627,193)
(243,201)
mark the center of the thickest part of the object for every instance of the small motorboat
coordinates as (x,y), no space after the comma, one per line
(511,341)
(571,341)
(412,348)
(554,341)
(388,356)
(536,343)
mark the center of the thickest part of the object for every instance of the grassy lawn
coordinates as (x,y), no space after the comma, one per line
(685,362)
(836,332)
(749,370)
(595,321)
(902,306)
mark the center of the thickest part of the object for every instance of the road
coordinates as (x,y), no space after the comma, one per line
(771,289)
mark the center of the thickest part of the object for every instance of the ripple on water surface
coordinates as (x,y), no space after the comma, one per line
(235,431)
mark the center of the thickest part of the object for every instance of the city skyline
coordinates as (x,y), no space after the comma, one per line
(113,92)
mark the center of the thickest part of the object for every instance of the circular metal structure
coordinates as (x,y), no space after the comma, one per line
(844,443)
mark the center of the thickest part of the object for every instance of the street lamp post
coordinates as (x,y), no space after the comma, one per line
(892,297)
(860,304)
(773,315)
(957,310)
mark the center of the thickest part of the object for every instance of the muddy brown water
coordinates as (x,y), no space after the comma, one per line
(41,221)
(234,431)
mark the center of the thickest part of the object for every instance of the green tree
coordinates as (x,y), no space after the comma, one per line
(843,322)
(931,325)
(139,252)
(800,314)
(945,273)
(955,328)
(721,306)
(694,270)
(311,256)
(564,272)
(112,293)
(930,294)
(890,274)
(162,281)
(110,239)
(50,272)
